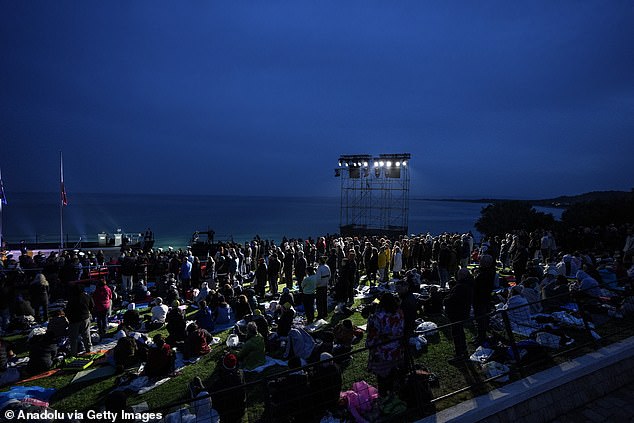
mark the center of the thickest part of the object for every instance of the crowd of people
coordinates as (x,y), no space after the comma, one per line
(233,283)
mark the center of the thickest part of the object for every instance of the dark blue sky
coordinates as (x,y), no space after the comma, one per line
(490,98)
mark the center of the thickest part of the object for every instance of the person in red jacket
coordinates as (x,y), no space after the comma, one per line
(102,298)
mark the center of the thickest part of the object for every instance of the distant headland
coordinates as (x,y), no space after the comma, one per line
(558,202)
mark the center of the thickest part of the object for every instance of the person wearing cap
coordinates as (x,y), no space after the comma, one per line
(228,392)
(325,384)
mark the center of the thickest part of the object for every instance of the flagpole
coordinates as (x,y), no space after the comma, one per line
(61,203)
(2,200)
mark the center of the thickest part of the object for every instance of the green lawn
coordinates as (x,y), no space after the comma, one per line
(90,395)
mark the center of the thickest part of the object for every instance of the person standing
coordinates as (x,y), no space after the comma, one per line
(39,290)
(309,286)
(300,268)
(275,266)
(78,310)
(384,325)
(321,290)
(186,274)
(458,307)
(102,298)
(482,288)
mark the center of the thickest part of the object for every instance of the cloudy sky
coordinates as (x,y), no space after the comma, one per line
(527,99)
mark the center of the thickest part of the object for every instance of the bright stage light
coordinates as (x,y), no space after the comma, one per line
(339,164)
(346,164)
(404,163)
(389,163)
(365,164)
(376,164)
(381,163)
(398,164)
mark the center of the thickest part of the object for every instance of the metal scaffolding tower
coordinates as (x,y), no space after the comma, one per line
(374,194)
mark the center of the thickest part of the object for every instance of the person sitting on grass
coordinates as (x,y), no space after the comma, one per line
(325,384)
(252,353)
(204,317)
(201,408)
(285,320)
(176,324)
(159,314)
(42,353)
(242,307)
(197,341)
(224,312)
(160,358)
(228,392)
(131,319)
(58,325)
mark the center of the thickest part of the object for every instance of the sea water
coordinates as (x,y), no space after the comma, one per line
(173,218)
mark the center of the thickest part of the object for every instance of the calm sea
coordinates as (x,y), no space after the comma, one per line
(173,218)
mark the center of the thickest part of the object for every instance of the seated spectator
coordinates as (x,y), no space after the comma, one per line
(344,332)
(252,353)
(287,297)
(42,352)
(517,306)
(58,325)
(202,293)
(587,287)
(285,319)
(325,383)
(555,294)
(229,395)
(251,298)
(290,395)
(22,314)
(131,319)
(197,341)
(261,323)
(300,344)
(176,324)
(160,358)
(204,317)
(126,353)
(159,314)
(202,408)
(242,307)
(532,295)
(224,313)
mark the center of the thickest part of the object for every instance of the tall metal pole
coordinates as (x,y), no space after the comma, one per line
(61,203)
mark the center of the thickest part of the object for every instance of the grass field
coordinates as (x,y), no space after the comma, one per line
(90,395)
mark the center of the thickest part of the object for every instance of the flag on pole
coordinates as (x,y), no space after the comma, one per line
(61,178)
(3,198)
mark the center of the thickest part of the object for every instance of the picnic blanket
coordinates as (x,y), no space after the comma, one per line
(141,385)
(224,327)
(23,392)
(92,374)
(39,376)
(270,361)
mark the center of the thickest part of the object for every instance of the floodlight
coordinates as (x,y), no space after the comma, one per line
(398,164)
(347,164)
(389,163)
(404,163)
(381,163)
(376,164)
(339,164)
(365,164)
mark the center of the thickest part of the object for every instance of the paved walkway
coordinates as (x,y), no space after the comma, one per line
(616,407)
